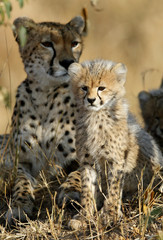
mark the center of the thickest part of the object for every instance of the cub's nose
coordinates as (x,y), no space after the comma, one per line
(66,63)
(91,100)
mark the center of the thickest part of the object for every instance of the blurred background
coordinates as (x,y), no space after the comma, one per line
(128,31)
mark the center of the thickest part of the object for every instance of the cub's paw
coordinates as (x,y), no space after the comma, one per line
(108,219)
(77,223)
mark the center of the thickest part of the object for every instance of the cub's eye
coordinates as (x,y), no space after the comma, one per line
(101,88)
(85,88)
(47,44)
(74,44)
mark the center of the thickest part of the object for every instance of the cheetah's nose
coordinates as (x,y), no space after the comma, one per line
(91,100)
(66,63)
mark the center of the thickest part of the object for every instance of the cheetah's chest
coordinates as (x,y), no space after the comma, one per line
(56,128)
(103,136)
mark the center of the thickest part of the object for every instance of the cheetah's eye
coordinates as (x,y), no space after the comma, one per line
(101,88)
(47,44)
(85,88)
(74,44)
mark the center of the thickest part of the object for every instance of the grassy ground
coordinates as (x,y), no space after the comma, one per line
(142,216)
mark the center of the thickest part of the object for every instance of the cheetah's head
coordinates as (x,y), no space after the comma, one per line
(98,83)
(48,48)
(151,104)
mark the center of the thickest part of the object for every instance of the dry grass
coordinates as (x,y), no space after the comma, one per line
(142,215)
(123,31)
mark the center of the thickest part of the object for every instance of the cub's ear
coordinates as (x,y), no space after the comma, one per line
(120,70)
(74,69)
(22,22)
(78,24)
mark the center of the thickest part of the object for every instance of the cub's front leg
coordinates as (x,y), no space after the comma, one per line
(114,180)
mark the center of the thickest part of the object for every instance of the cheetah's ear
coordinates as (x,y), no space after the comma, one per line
(78,24)
(75,69)
(120,70)
(144,97)
(22,22)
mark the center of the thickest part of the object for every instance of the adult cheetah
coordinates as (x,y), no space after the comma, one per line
(43,122)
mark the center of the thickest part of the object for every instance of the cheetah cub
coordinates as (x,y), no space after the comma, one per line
(109,142)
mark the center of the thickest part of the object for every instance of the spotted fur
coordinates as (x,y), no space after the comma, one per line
(151,104)
(43,123)
(112,149)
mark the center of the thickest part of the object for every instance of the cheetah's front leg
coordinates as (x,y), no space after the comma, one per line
(22,197)
(88,198)
(70,189)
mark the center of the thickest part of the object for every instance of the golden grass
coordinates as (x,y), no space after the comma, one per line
(142,215)
(123,31)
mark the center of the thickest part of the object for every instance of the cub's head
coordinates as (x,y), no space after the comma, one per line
(48,48)
(151,104)
(98,83)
